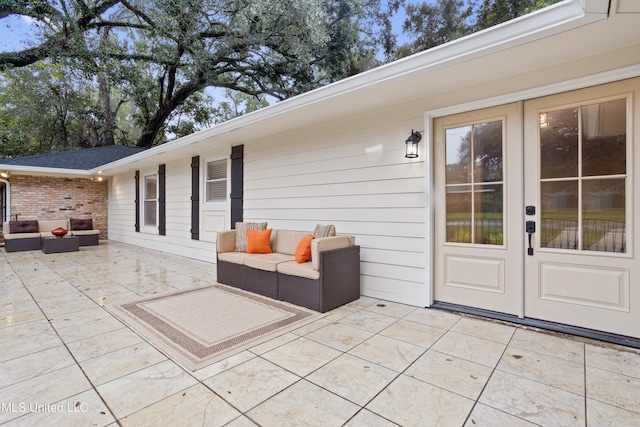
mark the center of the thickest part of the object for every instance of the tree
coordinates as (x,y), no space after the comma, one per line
(431,25)
(494,12)
(160,54)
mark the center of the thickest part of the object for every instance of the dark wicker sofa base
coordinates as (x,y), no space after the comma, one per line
(339,281)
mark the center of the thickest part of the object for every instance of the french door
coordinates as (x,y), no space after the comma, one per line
(537,209)
(583,268)
(477,167)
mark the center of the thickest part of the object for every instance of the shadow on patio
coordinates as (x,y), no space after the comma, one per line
(65,360)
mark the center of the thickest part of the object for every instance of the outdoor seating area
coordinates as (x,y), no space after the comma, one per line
(65,359)
(29,235)
(320,271)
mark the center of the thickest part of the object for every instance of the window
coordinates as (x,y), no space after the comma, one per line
(583,177)
(150,199)
(216,181)
(474,184)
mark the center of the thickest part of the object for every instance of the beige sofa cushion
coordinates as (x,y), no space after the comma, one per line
(266,262)
(232,257)
(327,244)
(287,241)
(17,236)
(293,268)
(226,241)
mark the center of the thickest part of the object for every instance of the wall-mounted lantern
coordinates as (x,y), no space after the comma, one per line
(412,144)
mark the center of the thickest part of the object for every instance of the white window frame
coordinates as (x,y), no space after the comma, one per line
(145,200)
(207,180)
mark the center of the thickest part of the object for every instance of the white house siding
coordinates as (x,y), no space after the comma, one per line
(351,173)
(178,212)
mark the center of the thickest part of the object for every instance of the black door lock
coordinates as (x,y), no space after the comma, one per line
(530,228)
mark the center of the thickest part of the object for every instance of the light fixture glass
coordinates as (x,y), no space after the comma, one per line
(4,174)
(412,144)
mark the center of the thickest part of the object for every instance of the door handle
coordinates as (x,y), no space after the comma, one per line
(530,228)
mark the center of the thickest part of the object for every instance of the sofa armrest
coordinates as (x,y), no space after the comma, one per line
(327,244)
(226,241)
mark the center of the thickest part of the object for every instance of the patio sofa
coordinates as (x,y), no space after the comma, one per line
(329,279)
(27,235)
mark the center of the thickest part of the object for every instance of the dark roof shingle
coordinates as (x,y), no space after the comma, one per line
(86,159)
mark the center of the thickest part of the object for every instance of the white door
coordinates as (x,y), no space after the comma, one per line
(478,216)
(583,267)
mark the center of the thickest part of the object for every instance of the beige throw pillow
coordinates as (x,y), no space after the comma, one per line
(241,233)
(324,231)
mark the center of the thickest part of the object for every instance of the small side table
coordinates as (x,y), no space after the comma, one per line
(54,245)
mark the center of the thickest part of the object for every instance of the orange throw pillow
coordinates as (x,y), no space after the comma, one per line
(303,250)
(258,241)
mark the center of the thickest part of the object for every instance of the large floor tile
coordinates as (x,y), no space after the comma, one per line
(451,373)
(34,365)
(533,401)
(470,348)
(433,317)
(388,352)
(558,373)
(603,415)
(44,389)
(304,404)
(621,360)
(340,337)
(89,348)
(251,383)
(302,356)
(613,389)
(410,402)
(369,321)
(562,347)
(485,329)
(352,378)
(142,388)
(84,409)
(366,418)
(195,406)
(485,416)
(120,363)
(414,333)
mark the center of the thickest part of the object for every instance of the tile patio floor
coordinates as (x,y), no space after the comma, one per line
(66,361)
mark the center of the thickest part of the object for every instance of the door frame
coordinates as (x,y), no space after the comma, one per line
(429,145)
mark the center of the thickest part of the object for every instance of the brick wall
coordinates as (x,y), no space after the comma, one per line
(43,197)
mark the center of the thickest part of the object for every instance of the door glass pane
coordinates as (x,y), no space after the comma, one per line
(603,213)
(559,144)
(604,138)
(559,216)
(459,214)
(474,212)
(488,214)
(487,151)
(458,155)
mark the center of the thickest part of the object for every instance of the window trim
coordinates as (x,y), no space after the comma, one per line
(206,181)
(144,198)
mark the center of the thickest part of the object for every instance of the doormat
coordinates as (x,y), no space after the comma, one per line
(201,326)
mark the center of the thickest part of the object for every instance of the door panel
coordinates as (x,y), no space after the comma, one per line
(478,227)
(579,173)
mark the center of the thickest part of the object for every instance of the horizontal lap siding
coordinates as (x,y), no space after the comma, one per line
(352,174)
(178,214)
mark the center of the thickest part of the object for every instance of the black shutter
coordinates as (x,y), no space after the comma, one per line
(162,207)
(237,184)
(195,198)
(137,201)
